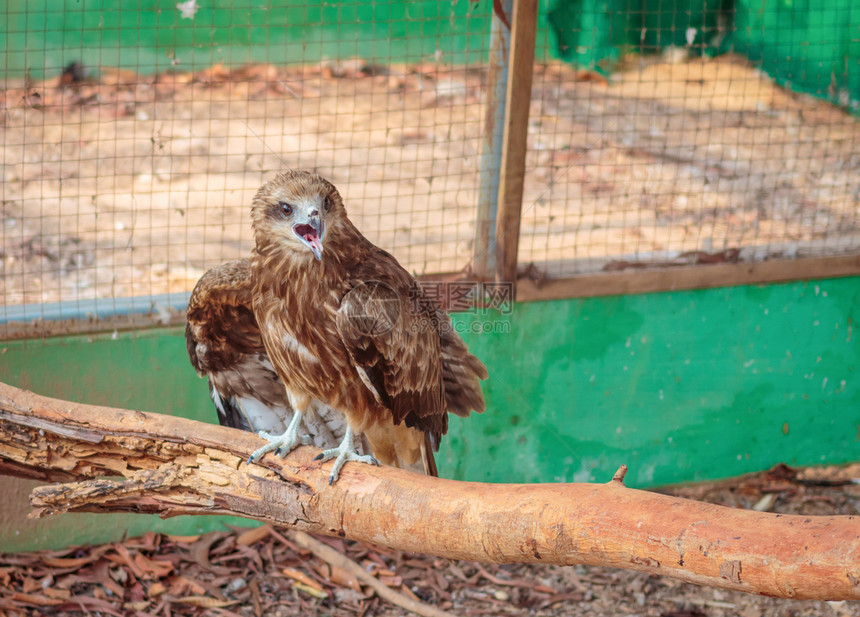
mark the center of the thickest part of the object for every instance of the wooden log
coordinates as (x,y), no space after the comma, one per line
(169,466)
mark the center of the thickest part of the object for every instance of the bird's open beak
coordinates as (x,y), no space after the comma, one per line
(311,233)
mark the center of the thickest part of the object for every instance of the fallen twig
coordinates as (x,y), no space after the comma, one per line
(333,558)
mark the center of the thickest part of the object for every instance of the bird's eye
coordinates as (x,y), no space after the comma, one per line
(327,203)
(286,208)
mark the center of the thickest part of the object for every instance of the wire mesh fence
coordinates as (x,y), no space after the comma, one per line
(684,162)
(690,153)
(134,180)
(133,139)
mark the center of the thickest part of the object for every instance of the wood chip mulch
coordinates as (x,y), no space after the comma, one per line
(260,572)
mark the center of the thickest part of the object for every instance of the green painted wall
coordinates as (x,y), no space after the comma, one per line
(679,386)
(805,45)
(43,36)
(149,371)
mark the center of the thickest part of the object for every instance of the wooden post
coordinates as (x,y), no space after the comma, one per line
(484,251)
(518,99)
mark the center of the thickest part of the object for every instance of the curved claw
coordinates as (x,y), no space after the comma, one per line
(341,455)
(281,444)
(304,440)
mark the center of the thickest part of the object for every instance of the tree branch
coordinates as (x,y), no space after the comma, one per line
(132,461)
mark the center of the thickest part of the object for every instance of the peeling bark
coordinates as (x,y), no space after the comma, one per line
(120,460)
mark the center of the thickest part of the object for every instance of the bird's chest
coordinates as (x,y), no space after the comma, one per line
(301,336)
(305,330)
(299,327)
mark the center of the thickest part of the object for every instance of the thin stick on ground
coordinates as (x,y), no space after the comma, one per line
(172,466)
(332,557)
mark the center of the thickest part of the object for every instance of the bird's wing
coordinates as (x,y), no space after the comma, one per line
(407,352)
(396,349)
(393,340)
(224,345)
(221,328)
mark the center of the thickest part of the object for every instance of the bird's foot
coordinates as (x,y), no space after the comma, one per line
(281,444)
(343,453)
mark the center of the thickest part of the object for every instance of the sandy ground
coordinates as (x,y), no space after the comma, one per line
(131,185)
(672,157)
(262,573)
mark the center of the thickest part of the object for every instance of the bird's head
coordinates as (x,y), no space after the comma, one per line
(296,210)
